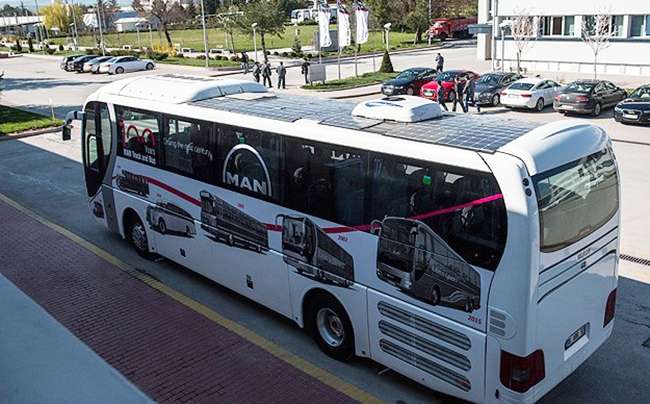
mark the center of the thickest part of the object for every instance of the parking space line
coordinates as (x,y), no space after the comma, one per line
(274,349)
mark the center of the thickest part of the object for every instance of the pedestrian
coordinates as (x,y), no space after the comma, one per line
(244,62)
(441,96)
(304,69)
(440,62)
(459,88)
(470,90)
(282,75)
(266,74)
(257,71)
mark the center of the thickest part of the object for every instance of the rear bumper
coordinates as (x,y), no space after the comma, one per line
(515,103)
(575,108)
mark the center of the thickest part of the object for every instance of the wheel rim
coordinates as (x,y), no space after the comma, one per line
(139,237)
(540,105)
(330,327)
(495,100)
(119,70)
(597,111)
(409,91)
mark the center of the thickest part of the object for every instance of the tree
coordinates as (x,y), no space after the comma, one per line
(163,11)
(9,11)
(386,64)
(596,33)
(107,10)
(523,31)
(57,15)
(268,16)
(190,10)
(416,14)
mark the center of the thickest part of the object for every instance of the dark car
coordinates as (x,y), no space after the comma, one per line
(430,90)
(635,108)
(489,86)
(408,82)
(66,59)
(77,64)
(588,97)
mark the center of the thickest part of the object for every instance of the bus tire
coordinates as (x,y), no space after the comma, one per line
(330,326)
(435,295)
(136,234)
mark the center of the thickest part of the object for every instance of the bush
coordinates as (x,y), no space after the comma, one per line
(18,47)
(233,58)
(30,44)
(309,56)
(297,46)
(61,48)
(386,64)
(276,53)
(157,55)
(50,51)
(293,54)
(284,54)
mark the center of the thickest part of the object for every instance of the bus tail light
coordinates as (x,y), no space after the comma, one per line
(520,374)
(610,308)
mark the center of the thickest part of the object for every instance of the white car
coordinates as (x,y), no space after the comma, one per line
(167,218)
(123,64)
(532,93)
(88,66)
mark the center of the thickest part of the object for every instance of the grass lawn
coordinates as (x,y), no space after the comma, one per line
(193,38)
(15,120)
(351,82)
(198,62)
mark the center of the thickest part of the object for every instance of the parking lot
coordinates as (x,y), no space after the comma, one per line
(44,174)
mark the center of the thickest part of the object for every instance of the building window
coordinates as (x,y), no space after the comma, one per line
(617,25)
(639,26)
(556,26)
(569,26)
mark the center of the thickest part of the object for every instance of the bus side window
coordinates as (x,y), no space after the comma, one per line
(138,135)
(187,148)
(325,181)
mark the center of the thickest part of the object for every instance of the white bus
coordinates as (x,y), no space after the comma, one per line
(525,217)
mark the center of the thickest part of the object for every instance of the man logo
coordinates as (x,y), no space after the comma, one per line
(244,168)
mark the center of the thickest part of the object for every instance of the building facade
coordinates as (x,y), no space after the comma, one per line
(558,44)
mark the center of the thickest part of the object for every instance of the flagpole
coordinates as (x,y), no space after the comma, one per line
(338,31)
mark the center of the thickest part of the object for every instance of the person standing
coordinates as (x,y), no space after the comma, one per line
(440,63)
(441,96)
(266,74)
(282,76)
(470,90)
(257,71)
(244,62)
(459,88)
(304,69)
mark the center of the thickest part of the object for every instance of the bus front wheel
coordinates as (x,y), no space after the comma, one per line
(136,234)
(330,326)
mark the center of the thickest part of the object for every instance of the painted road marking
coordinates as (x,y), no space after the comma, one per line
(274,349)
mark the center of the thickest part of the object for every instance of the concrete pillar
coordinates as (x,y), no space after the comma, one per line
(484,41)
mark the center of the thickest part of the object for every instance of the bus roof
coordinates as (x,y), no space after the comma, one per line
(539,146)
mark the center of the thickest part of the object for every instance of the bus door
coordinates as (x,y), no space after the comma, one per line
(96,151)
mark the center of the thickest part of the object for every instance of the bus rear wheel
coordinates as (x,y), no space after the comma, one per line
(330,326)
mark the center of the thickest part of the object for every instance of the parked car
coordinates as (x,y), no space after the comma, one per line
(588,97)
(123,64)
(64,62)
(430,90)
(532,93)
(92,65)
(77,64)
(489,87)
(409,81)
(635,108)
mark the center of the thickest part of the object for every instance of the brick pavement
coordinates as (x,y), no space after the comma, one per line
(169,351)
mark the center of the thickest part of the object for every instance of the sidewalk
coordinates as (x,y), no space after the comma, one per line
(43,362)
(168,350)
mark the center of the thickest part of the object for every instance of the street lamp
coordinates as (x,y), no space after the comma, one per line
(387,31)
(254,26)
(503,26)
(205,36)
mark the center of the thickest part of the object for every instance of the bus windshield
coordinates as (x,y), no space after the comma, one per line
(576,199)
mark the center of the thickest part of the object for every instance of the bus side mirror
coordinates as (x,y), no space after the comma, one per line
(67,125)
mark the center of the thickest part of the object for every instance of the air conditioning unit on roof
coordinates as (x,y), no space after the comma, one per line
(401,108)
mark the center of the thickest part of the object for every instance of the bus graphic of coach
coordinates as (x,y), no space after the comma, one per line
(415,259)
(227,224)
(167,218)
(132,183)
(306,247)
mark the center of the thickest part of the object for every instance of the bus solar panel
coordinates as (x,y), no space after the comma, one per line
(470,132)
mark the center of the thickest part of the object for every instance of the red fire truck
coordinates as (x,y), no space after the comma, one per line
(457,27)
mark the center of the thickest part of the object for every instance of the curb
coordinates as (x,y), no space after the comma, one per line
(22,135)
(345,97)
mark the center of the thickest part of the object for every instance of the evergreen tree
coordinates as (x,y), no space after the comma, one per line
(386,64)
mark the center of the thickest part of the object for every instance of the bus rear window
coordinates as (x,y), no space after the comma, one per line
(576,199)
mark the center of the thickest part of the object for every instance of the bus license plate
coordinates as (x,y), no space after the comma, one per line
(575,337)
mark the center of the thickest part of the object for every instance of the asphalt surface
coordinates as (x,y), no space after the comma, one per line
(45,175)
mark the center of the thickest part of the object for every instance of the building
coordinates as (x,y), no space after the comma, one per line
(558,45)
(27,25)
